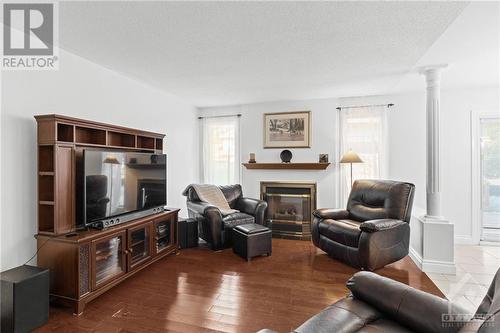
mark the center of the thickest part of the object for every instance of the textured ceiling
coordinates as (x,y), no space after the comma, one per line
(217,53)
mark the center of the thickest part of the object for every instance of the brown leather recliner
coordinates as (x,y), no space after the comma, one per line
(373,231)
(215,228)
(379,304)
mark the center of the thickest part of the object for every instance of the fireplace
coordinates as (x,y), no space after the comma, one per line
(290,207)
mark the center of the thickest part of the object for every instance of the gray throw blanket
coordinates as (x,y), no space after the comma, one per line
(213,195)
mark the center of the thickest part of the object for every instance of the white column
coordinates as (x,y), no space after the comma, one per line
(433,78)
(437,232)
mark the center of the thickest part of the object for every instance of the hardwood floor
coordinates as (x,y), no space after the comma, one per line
(204,291)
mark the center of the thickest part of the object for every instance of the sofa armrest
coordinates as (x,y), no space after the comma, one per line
(412,308)
(379,225)
(256,208)
(329,213)
(210,218)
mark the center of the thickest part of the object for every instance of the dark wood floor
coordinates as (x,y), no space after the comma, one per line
(204,291)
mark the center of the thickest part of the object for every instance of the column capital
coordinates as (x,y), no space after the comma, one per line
(431,69)
(432,75)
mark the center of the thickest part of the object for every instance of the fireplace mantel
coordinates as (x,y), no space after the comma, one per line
(290,166)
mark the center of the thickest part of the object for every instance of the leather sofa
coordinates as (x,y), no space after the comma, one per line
(379,304)
(373,230)
(215,228)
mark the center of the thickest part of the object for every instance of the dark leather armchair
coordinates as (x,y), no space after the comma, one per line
(215,228)
(373,231)
(379,304)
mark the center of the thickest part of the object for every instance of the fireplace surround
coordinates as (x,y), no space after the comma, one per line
(290,207)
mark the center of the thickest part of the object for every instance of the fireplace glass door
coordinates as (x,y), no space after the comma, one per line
(289,209)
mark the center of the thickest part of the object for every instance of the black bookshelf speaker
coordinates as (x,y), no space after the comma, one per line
(188,233)
(25,298)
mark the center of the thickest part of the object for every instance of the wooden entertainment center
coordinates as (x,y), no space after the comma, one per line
(85,263)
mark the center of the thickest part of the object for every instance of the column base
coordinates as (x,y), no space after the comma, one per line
(438,245)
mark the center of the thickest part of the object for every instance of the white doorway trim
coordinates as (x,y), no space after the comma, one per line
(476,218)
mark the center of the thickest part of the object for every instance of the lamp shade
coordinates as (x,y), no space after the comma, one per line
(111,160)
(351,157)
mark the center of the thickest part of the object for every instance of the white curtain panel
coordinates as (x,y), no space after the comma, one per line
(363,130)
(221,150)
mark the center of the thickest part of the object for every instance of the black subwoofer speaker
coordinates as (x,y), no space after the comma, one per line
(188,233)
(25,298)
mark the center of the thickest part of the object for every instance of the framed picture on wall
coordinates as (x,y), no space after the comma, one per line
(287,130)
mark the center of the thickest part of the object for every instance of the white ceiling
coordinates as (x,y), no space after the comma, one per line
(470,47)
(219,53)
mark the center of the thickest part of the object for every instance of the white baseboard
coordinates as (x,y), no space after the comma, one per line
(464,239)
(416,257)
(491,235)
(489,243)
(442,267)
(431,266)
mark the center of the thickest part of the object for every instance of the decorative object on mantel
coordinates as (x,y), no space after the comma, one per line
(286,156)
(323,158)
(287,130)
(288,166)
(252,158)
(350,157)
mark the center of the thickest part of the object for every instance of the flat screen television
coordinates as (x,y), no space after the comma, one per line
(119,183)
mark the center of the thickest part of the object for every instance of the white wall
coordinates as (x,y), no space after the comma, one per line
(407,148)
(324,122)
(86,90)
(406,127)
(407,137)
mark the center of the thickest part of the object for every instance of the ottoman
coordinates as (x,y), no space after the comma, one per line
(250,240)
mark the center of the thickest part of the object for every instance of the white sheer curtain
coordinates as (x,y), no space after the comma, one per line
(363,130)
(221,150)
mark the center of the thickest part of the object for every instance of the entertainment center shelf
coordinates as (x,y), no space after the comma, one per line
(61,140)
(86,263)
(67,130)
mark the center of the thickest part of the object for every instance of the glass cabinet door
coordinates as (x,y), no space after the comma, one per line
(162,238)
(139,245)
(108,256)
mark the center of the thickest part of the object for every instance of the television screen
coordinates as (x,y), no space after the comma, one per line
(117,183)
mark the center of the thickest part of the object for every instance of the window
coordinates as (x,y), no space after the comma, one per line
(221,150)
(363,129)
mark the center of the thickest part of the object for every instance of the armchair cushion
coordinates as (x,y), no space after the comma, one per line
(232,220)
(345,232)
(379,225)
(327,213)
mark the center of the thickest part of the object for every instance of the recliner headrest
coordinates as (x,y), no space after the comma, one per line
(381,199)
